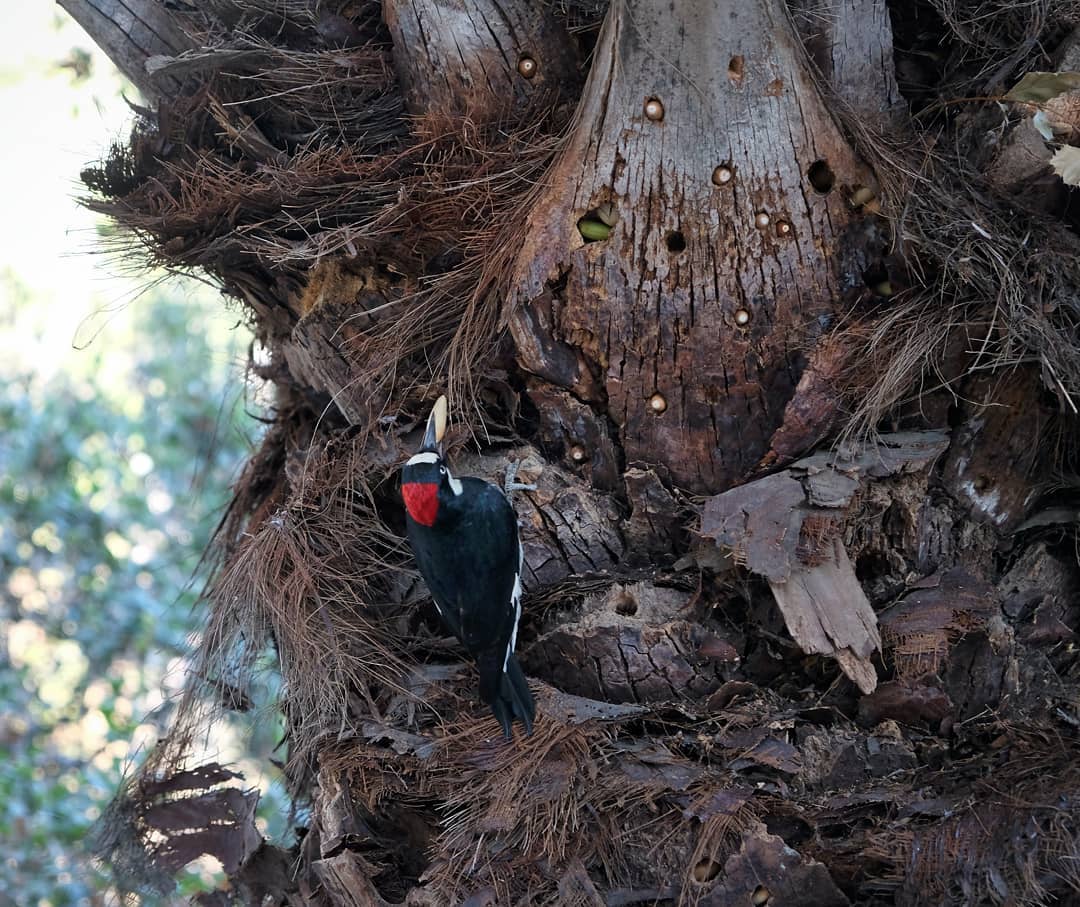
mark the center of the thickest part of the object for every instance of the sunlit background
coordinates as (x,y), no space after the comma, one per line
(124,416)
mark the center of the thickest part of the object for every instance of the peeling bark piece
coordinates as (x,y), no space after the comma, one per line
(339,825)
(689,296)
(766,868)
(759,522)
(786,527)
(810,414)
(919,628)
(346,880)
(726,802)
(651,764)
(756,746)
(578,709)
(827,613)
(652,531)
(472,56)
(762,520)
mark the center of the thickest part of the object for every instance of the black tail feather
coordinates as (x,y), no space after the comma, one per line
(511,700)
(515,688)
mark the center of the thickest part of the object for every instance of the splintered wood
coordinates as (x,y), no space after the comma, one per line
(763,523)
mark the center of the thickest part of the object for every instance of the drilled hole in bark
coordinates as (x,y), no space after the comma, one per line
(821,177)
(527,67)
(706,871)
(735,70)
(592,228)
(676,242)
(597,222)
(876,278)
(723,174)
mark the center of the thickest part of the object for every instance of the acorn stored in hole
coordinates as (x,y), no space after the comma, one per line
(593,230)
(578,453)
(742,317)
(657,403)
(608,213)
(722,175)
(527,67)
(762,220)
(654,109)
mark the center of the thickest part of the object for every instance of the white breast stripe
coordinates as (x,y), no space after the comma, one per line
(425,456)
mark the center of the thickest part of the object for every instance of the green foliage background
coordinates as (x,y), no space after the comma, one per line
(112,478)
(124,416)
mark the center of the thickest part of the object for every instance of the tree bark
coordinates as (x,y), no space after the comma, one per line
(689,325)
(641,248)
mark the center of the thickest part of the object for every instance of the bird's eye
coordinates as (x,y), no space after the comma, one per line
(442,470)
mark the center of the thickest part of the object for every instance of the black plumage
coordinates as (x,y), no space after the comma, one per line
(464,536)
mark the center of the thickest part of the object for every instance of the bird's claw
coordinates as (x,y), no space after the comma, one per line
(510,486)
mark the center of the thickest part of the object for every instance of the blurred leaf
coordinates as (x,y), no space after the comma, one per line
(1038,87)
(1066,164)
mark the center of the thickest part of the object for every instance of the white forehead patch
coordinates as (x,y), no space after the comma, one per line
(426,456)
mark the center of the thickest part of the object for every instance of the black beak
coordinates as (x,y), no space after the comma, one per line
(436,426)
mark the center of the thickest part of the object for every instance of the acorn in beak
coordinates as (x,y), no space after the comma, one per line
(436,427)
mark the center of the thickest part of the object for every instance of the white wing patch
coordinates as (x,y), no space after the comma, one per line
(425,456)
(515,597)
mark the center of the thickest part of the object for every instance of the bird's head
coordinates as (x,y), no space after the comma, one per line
(426,482)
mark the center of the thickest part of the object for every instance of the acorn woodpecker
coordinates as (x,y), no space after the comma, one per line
(464,535)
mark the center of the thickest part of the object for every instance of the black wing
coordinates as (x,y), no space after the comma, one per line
(472,565)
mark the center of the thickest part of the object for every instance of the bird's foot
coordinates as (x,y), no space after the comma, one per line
(510,485)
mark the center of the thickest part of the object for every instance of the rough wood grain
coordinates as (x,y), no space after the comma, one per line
(131,32)
(474,56)
(692,296)
(827,613)
(851,41)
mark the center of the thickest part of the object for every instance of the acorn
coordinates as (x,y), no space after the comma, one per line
(527,67)
(722,175)
(593,230)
